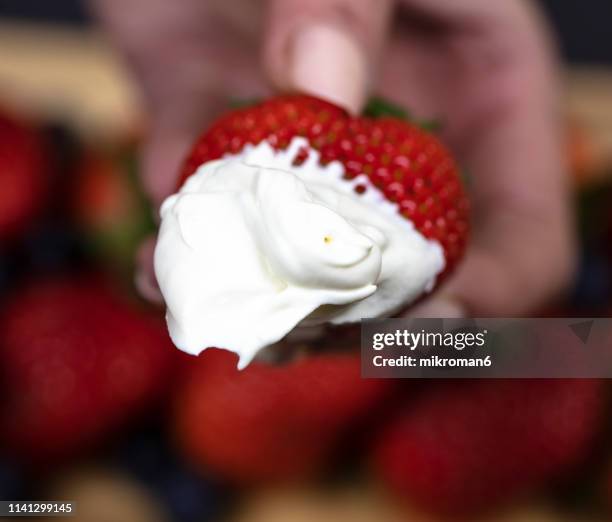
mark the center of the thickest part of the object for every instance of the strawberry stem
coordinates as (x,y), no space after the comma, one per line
(377,107)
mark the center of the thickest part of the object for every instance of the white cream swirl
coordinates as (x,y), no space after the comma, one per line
(252,245)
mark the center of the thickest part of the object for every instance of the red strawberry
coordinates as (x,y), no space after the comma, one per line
(270,423)
(23,175)
(465,447)
(108,205)
(78,362)
(103,194)
(408,164)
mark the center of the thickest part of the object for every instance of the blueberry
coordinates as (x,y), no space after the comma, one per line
(188,496)
(12,482)
(593,285)
(53,245)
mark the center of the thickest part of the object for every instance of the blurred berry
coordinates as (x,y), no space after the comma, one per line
(593,287)
(12,482)
(270,424)
(585,157)
(467,447)
(144,454)
(187,495)
(53,245)
(79,361)
(109,207)
(24,173)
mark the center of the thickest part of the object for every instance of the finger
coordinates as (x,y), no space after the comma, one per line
(162,157)
(523,249)
(327,48)
(189,58)
(503,120)
(439,307)
(468,11)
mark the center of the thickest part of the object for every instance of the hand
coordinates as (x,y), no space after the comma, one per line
(486,69)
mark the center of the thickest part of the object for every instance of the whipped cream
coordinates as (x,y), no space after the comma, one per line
(252,246)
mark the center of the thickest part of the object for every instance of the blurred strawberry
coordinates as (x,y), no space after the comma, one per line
(587,153)
(271,423)
(23,175)
(109,206)
(78,362)
(468,446)
(581,153)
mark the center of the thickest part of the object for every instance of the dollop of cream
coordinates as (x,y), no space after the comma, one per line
(252,246)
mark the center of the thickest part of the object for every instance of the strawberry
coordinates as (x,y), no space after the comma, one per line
(270,423)
(467,446)
(78,362)
(109,206)
(103,199)
(409,165)
(582,155)
(23,175)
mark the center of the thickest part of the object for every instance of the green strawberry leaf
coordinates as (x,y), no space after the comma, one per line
(377,107)
(434,126)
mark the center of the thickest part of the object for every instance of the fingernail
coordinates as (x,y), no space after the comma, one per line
(439,308)
(327,62)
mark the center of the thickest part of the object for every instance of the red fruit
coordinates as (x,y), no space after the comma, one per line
(103,195)
(271,423)
(109,207)
(78,362)
(466,447)
(23,175)
(409,165)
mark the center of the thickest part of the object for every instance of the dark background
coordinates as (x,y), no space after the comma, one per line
(584,27)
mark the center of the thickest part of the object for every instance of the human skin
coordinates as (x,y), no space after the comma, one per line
(486,69)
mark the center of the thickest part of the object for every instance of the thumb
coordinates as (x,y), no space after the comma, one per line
(325,47)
